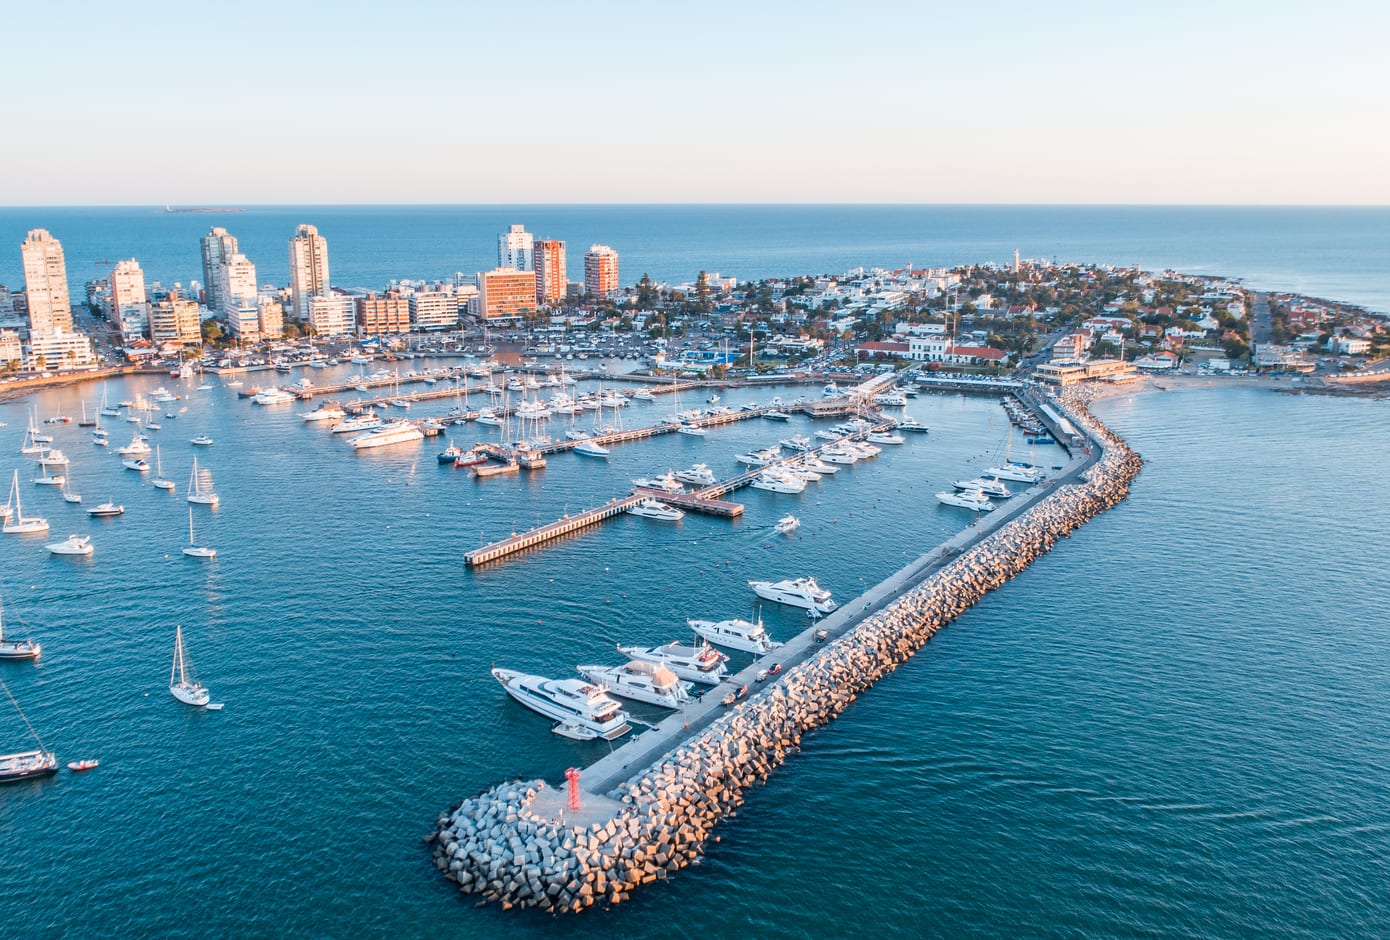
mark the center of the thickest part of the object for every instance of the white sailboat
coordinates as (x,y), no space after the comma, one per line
(194,550)
(183,684)
(200,486)
(159,481)
(16,524)
(25,764)
(17,649)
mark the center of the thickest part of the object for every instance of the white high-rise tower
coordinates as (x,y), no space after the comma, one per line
(218,246)
(516,249)
(46,284)
(308,269)
(128,306)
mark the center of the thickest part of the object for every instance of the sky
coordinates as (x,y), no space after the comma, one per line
(259,103)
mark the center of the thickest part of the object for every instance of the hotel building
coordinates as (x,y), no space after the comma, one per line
(550,272)
(505,292)
(217,247)
(377,314)
(308,269)
(600,271)
(516,249)
(46,284)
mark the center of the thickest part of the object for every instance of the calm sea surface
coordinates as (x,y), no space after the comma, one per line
(1325,252)
(1173,724)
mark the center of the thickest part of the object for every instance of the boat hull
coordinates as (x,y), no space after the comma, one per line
(27,765)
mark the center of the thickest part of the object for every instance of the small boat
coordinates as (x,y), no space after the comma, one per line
(1018,472)
(911,424)
(451,454)
(786,525)
(15,522)
(590,449)
(641,681)
(77,766)
(193,549)
(655,509)
(202,440)
(886,437)
(200,489)
(138,464)
(703,664)
(72,545)
(582,710)
(694,430)
(53,458)
(183,685)
(106,509)
(69,496)
(736,634)
(796,592)
(17,649)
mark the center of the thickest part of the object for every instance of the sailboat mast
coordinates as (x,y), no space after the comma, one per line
(22,717)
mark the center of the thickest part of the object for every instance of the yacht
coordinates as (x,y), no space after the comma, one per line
(72,545)
(138,464)
(583,710)
(990,487)
(816,465)
(735,634)
(656,509)
(797,592)
(776,481)
(776,415)
(394,432)
(488,417)
(644,395)
(105,510)
(590,449)
(273,396)
(666,482)
(325,412)
(891,399)
(886,437)
(641,681)
(692,429)
(1018,472)
(698,474)
(363,422)
(837,454)
(703,664)
(787,525)
(974,500)
(53,458)
(202,440)
(911,424)
(759,458)
(23,765)
(137,447)
(797,442)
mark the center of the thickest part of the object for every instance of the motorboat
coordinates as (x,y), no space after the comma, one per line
(363,422)
(590,449)
(759,458)
(736,634)
(698,474)
(816,465)
(202,440)
(53,458)
(327,412)
(393,432)
(273,396)
(885,437)
(641,681)
(666,482)
(694,430)
(891,399)
(776,415)
(837,454)
(583,710)
(17,649)
(644,395)
(787,525)
(137,447)
(450,455)
(777,481)
(990,487)
(72,545)
(77,766)
(655,509)
(862,449)
(138,464)
(1018,472)
(488,417)
(703,664)
(911,424)
(796,592)
(974,500)
(105,510)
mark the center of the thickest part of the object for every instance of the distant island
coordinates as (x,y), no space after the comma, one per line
(200,209)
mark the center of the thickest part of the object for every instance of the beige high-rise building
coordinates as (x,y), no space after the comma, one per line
(175,320)
(550,271)
(217,247)
(388,314)
(128,308)
(238,285)
(308,269)
(332,315)
(270,315)
(46,284)
(600,271)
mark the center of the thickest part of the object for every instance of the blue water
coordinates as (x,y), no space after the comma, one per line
(1322,251)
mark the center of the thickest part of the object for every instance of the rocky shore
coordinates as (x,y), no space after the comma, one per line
(503,846)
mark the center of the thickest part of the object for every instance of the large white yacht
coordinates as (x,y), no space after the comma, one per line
(363,422)
(797,592)
(394,432)
(777,481)
(273,396)
(655,509)
(325,412)
(988,486)
(665,482)
(703,664)
(974,500)
(583,710)
(735,634)
(1018,472)
(699,474)
(641,681)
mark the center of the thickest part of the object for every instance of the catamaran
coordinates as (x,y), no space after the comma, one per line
(183,685)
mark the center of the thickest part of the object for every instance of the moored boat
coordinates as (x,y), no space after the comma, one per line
(744,635)
(703,664)
(641,681)
(796,592)
(655,509)
(581,709)
(72,545)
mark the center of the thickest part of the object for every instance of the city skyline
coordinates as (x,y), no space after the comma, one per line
(1084,104)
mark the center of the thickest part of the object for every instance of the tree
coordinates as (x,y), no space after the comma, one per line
(702,293)
(647,294)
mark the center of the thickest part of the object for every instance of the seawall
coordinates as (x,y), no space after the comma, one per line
(515,845)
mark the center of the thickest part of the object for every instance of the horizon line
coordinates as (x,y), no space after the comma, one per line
(161,207)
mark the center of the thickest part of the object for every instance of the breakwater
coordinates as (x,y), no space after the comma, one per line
(516,845)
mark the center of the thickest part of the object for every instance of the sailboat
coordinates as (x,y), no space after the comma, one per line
(159,481)
(16,524)
(69,496)
(84,421)
(21,765)
(17,649)
(34,442)
(194,550)
(183,684)
(200,486)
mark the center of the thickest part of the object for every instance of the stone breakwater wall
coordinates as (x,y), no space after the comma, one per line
(502,847)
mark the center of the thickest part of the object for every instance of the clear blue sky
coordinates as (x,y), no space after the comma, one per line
(543,102)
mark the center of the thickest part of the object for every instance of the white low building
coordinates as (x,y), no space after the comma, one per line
(59,350)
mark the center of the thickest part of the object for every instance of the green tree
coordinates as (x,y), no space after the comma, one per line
(702,293)
(647,294)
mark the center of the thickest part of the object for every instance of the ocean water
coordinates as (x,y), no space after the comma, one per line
(1322,251)
(1172,724)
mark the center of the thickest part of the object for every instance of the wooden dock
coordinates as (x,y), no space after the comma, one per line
(558,529)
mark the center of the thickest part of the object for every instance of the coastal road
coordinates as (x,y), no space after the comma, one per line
(1261,325)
